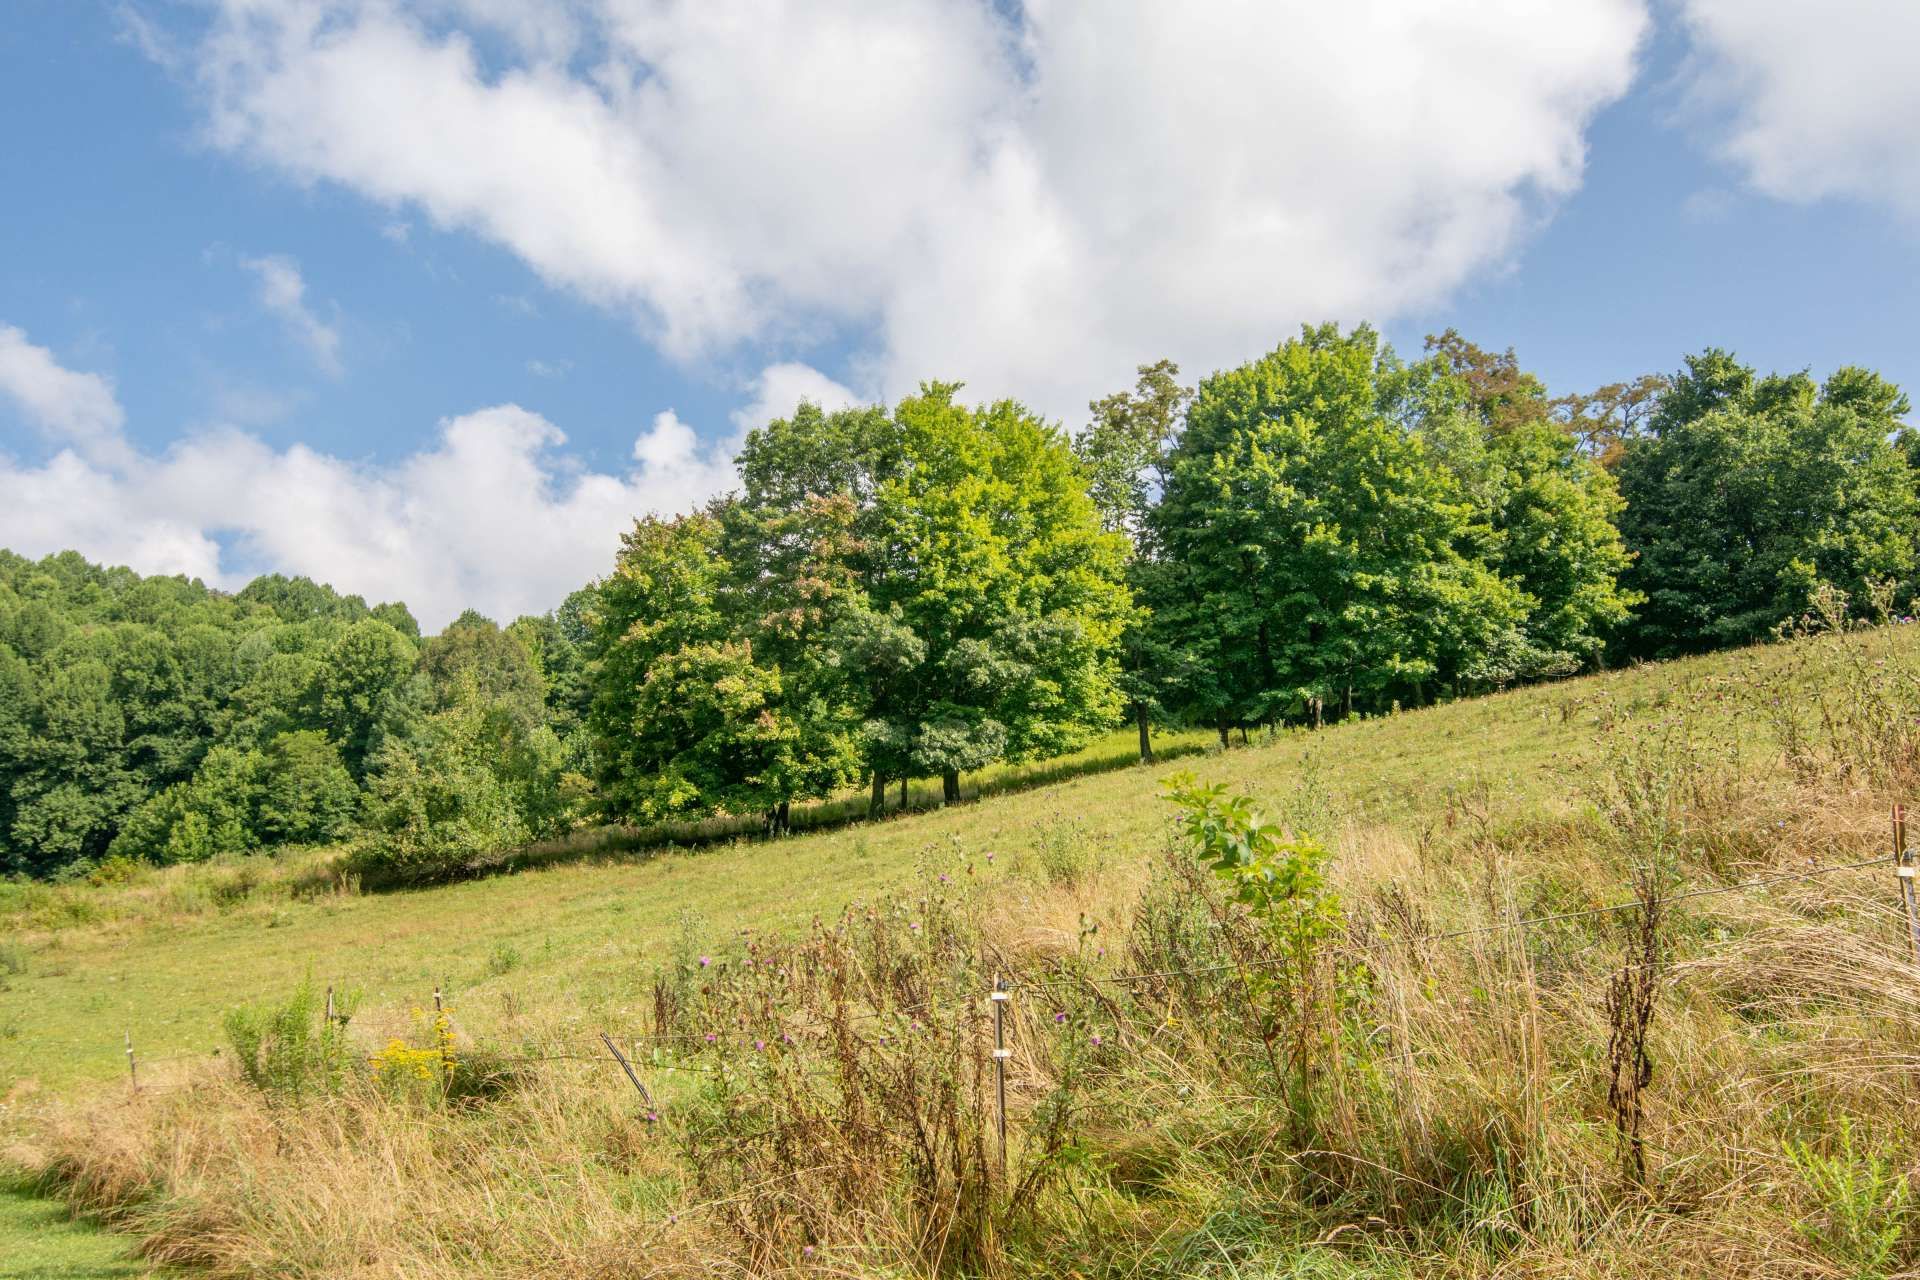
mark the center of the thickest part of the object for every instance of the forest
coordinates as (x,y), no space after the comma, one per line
(921,590)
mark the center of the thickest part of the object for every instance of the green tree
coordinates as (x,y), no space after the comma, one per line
(305,794)
(1545,512)
(1750,492)
(366,691)
(1123,456)
(980,599)
(1326,553)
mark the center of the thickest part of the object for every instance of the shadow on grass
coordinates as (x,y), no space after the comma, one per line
(639,844)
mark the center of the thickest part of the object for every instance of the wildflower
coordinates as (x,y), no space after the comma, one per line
(711,1037)
(943,877)
(759,1046)
(705,961)
(1059,1018)
(915,926)
(653,1117)
(807,1252)
(1096,1039)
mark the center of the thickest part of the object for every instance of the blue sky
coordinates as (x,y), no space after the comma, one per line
(321,285)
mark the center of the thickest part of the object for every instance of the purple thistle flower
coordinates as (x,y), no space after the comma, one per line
(705,961)
(1059,1018)
(1096,1038)
(711,1037)
(759,1046)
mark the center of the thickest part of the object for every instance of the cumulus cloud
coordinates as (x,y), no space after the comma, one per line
(492,514)
(283,291)
(780,388)
(76,410)
(1032,198)
(1813,103)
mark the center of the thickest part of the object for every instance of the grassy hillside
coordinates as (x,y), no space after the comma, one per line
(1458,1122)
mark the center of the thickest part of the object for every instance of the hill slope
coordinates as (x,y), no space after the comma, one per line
(1437,1093)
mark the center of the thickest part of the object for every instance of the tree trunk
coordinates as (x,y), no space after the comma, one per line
(950,786)
(1146,739)
(877,802)
(784,816)
(1225,741)
(1243,735)
(903,793)
(1316,711)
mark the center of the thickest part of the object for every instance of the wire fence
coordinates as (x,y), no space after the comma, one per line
(606,1052)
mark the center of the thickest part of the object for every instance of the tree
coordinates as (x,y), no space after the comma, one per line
(1321,542)
(472,653)
(366,691)
(1123,455)
(306,795)
(1749,492)
(977,599)
(1544,511)
(1605,421)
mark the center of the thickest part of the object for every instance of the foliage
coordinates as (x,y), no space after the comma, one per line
(1749,492)
(1325,559)
(291,1050)
(1864,1208)
(1279,878)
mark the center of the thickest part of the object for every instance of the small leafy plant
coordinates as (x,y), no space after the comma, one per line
(1279,878)
(1865,1209)
(292,1050)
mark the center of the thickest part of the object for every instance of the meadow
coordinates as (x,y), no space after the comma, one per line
(1426,1088)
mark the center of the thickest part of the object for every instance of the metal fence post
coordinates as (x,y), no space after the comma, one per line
(1000,1055)
(1905,868)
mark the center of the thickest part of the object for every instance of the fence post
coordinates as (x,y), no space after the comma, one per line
(1905,868)
(444,1036)
(628,1068)
(1000,1055)
(133,1074)
(330,1017)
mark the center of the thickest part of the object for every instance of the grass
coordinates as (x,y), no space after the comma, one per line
(1467,1130)
(39,1240)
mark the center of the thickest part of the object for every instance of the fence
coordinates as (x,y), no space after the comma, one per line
(605,1050)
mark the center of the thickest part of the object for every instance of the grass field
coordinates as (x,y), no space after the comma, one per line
(39,1241)
(1471,812)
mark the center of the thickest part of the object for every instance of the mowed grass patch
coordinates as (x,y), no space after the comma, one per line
(585,936)
(41,1240)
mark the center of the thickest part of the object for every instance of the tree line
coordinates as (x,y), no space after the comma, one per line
(925,589)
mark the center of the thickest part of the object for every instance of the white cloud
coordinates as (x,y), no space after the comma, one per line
(1813,101)
(284,292)
(493,514)
(780,388)
(78,410)
(1032,204)
(549,368)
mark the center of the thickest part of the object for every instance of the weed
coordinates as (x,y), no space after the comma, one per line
(1865,1209)
(291,1050)
(503,959)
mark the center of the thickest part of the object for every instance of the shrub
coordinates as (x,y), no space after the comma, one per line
(1865,1210)
(1279,879)
(291,1050)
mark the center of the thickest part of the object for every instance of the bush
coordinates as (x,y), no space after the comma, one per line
(291,1050)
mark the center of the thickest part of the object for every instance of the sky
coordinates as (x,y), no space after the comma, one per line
(431,299)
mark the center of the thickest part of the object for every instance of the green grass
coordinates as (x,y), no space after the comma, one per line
(589,932)
(39,1240)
